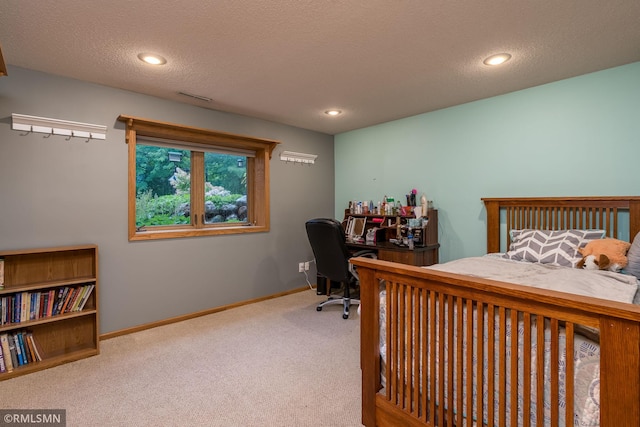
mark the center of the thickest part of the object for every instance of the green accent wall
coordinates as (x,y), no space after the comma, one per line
(574,137)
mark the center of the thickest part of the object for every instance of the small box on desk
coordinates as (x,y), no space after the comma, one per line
(375,235)
(419,234)
(427,233)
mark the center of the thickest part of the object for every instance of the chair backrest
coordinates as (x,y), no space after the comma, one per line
(327,240)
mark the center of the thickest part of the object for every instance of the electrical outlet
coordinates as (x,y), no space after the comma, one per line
(301,267)
(306,266)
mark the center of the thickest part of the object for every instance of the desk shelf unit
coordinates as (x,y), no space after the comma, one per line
(60,338)
(420,255)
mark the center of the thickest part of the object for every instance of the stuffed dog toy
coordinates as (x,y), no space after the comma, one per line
(604,254)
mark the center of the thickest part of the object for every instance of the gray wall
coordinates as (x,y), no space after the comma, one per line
(55,192)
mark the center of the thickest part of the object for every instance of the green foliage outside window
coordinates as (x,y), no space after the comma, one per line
(163,186)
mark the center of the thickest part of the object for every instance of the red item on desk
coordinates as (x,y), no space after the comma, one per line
(377,220)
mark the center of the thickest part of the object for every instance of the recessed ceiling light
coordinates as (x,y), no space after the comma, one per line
(333,112)
(498,59)
(152,59)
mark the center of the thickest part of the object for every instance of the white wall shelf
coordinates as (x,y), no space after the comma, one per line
(68,128)
(291,156)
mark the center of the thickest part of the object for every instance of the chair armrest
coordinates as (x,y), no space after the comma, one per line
(365,253)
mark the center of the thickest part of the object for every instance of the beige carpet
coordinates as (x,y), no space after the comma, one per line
(273,363)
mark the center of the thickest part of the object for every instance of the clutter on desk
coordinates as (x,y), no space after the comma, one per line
(411,198)
(355,229)
(389,206)
(370,238)
(415,232)
(389,220)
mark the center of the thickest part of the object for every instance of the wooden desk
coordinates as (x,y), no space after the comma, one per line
(419,256)
(387,251)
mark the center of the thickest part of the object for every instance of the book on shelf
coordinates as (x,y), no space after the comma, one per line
(23,346)
(1,273)
(52,298)
(18,349)
(37,311)
(28,358)
(17,306)
(26,306)
(28,344)
(33,304)
(4,308)
(13,350)
(72,298)
(68,297)
(62,294)
(3,366)
(6,351)
(73,305)
(44,300)
(86,296)
(34,345)
(78,299)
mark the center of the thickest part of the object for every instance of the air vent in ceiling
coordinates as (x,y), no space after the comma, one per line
(199,97)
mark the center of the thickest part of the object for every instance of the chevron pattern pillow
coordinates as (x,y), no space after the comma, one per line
(554,247)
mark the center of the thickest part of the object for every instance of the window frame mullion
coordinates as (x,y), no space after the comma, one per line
(197,189)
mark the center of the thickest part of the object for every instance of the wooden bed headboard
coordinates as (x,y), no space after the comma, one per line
(559,213)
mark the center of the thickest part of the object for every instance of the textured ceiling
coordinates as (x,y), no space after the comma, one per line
(290,60)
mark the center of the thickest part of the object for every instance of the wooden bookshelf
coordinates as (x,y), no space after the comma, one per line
(61,337)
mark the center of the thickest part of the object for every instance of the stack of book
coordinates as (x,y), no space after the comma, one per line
(18,349)
(26,306)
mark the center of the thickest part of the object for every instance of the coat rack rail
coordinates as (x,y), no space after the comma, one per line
(68,128)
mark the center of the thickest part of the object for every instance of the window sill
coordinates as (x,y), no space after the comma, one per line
(173,233)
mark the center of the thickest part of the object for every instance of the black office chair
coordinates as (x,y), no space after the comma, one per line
(327,240)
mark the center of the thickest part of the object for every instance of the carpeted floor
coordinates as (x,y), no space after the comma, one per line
(274,363)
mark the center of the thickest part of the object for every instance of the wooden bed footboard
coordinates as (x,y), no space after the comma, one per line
(434,321)
(449,338)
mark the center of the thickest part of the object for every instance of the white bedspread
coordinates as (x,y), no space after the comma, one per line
(592,283)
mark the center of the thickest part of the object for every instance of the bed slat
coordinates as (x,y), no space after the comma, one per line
(470,365)
(514,367)
(570,371)
(526,355)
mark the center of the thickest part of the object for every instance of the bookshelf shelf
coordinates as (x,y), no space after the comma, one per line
(49,299)
(56,318)
(46,285)
(50,362)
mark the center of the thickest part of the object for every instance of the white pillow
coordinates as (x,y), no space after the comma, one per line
(553,247)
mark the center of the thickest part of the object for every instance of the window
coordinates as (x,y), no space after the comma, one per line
(186,181)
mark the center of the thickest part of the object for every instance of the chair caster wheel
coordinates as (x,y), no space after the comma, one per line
(318,308)
(345,316)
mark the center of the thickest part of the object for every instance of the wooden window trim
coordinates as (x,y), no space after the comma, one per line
(257,176)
